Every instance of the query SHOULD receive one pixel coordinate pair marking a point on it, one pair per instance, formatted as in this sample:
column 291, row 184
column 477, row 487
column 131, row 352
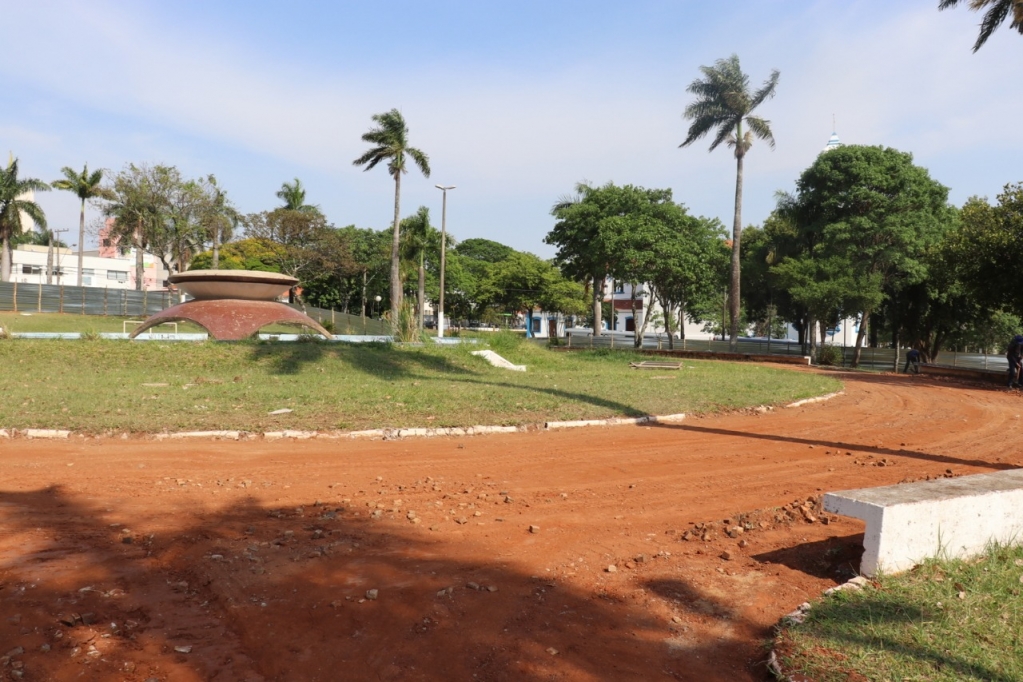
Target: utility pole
column 443, row 254
column 49, row 259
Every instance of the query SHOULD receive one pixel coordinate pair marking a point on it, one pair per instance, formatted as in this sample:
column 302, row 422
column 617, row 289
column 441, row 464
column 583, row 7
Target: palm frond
column 761, row 128
column 421, row 159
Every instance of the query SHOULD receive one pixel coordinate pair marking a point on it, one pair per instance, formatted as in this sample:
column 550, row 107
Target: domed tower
column 833, row 143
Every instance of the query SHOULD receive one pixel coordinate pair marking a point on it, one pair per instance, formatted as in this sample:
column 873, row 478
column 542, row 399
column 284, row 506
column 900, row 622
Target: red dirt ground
column 118, row 555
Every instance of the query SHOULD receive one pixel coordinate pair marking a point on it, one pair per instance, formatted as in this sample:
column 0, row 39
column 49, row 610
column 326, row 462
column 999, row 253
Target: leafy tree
column 220, row 219
column 868, row 216
column 998, row 11
column 484, row 250
column 418, row 238
column 85, row 186
column 12, row 207
column 390, row 144
column 293, row 196
column 290, row 239
column 244, row 254
column 723, row 104
column 524, row 282
column 139, row 203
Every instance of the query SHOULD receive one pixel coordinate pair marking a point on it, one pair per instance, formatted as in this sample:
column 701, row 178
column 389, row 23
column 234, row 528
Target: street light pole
column 443, row 253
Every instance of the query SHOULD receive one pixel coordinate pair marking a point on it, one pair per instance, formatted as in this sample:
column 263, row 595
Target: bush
column 829, row 356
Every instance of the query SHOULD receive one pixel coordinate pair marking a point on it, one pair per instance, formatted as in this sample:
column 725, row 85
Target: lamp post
column 443, row 250
column 376, row 302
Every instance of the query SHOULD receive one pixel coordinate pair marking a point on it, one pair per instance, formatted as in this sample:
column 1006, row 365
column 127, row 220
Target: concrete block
column 953, row 517
column 45, row 433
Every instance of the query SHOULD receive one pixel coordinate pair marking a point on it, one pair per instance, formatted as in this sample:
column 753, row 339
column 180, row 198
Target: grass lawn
column 99, row 385
column 942, row 621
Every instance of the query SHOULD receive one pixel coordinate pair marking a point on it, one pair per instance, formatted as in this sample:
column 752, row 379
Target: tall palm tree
column 85, row 185
column 418, row 237
column 723, row 104
column 293, row 196
column 12, row 207
column 995, row 16
column 390, row 144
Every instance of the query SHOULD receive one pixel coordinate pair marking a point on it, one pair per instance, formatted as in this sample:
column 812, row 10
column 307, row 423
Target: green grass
column 99, row 385
column 943, row 621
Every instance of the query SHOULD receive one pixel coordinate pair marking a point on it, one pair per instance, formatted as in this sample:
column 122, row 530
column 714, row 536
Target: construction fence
column 20, row 297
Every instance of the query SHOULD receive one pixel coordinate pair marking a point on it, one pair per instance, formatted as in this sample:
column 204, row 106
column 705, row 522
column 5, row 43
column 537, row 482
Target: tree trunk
column 140, row 265
column 859, row 338
column 641, row 330
column 637, row 339
column 733, row 294
column 396, row 292
column 364, row 299
column 81, row 242
column 49, row 258
column 5, row 259
column 216, row 247
column 421, row 293
column 598, row 290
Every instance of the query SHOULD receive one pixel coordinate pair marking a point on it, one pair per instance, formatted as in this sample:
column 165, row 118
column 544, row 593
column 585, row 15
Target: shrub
column 829, row 356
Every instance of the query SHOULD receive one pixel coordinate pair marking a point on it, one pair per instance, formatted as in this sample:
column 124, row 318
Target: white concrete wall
column 954, row 517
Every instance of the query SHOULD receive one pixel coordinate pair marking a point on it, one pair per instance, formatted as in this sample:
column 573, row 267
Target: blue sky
column 515, row 102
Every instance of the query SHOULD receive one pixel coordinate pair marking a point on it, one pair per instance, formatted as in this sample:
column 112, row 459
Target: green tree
column 13, row 207
column 419, row 238
column 244, row 254
column 293, row 196
column 139, row 203
column 290, row 239
column 998, row 11
column 484, row 250
column 390, row 143
column 85, row 186
column 871, row 215
column 724, row 103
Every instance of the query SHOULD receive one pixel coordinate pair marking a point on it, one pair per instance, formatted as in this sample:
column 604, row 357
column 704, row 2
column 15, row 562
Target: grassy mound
column 98, row 385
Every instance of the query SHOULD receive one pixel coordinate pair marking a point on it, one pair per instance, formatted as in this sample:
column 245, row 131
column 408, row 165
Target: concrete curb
column 818, row 399
column 399, row 433
column 798, row 616
column 45, row 433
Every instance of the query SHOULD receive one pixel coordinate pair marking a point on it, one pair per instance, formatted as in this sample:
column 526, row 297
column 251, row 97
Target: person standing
column 1014, row 354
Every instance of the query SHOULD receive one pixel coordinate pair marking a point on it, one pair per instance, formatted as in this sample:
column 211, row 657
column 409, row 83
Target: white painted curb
column 819, row 399
column 497, row 361
column 4, row 433
column 45, row 433
column 231, row 435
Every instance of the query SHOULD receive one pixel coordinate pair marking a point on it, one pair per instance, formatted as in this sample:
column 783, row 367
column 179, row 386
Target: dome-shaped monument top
column 245, row 285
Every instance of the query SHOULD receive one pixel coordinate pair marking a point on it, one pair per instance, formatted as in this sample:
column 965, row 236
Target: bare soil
column 592, row 554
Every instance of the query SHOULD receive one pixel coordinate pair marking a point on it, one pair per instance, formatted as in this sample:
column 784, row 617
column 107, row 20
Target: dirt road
column 593, row 554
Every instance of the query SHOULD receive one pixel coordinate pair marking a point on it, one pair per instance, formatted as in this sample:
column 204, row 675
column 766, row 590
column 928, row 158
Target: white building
column 28, row 265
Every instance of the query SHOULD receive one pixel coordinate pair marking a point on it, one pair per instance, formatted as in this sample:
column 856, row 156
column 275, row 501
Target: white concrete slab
column 953, row 517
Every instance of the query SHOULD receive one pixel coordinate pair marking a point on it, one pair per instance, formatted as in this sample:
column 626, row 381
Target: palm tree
column 85, row 185
column 995, row 16
column 723, row 104
column 418, row 237
column 12, row 207
column 293, row 196
column 390, row 140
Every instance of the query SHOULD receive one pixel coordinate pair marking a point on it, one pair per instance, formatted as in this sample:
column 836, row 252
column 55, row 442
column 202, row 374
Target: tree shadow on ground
column 858, row 621
column 839, row 445
column 260, row 593
column 836, row 558
column 376, row 359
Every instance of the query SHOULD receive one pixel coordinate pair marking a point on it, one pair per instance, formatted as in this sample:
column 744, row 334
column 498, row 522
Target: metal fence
column 59, row 298
column 879, row 359
column 20, row 297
